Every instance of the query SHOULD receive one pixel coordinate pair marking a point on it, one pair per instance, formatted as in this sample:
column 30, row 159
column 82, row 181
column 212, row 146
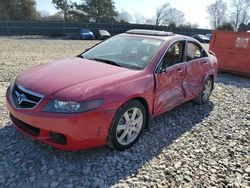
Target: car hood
column 64, row 78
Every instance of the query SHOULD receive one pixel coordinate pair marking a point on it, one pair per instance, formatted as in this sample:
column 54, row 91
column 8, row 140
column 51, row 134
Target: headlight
column 69, row 107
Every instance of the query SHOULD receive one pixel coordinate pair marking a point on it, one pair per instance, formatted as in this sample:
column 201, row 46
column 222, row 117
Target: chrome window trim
column 26, row 91
column 158, row 64
column 183, row 40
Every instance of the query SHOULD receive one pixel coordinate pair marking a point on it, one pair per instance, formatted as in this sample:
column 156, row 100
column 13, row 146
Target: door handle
column 204, row 62
column 180, row 71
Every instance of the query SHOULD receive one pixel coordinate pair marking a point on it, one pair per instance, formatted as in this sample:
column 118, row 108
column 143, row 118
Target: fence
column 56, row 28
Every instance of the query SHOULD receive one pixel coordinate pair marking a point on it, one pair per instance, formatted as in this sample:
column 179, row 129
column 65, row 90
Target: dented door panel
column 169, row 91
column 194, row 77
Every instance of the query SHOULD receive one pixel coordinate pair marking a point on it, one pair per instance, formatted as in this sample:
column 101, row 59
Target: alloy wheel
column 129, row 126
column 207, row 90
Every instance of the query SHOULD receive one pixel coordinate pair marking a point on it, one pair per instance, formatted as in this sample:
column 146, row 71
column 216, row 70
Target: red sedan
column 108, row 94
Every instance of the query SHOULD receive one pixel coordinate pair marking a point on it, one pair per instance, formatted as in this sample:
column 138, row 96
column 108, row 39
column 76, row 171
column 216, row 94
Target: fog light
column 58, row 138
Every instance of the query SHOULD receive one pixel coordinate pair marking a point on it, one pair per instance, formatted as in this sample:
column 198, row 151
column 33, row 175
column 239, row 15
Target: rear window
column 195, row 51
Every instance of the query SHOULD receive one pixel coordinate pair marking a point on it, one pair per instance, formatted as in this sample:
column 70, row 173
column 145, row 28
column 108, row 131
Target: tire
column 127, row 125
column 204, row 95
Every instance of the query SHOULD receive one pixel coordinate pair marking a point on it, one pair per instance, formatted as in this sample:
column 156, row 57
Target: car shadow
column 231, row 79
column 22, row 157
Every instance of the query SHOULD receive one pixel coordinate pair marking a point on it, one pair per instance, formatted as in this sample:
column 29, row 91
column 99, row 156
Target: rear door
column 198, row 64
column 170, row 75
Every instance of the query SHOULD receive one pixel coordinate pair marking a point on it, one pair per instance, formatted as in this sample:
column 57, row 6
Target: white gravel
column 189, row 146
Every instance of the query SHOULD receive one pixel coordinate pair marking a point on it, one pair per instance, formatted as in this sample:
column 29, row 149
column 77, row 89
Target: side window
column 173, row 56
column 194, row 51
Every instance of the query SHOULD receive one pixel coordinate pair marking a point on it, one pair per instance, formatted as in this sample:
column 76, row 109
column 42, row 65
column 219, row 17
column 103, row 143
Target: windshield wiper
column 80, row 56
column 106, row 61
column 134, row 67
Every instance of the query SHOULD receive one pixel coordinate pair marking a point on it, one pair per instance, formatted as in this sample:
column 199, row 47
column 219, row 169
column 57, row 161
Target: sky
column 194, row 10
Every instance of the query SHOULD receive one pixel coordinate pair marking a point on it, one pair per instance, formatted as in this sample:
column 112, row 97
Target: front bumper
column 63, row 131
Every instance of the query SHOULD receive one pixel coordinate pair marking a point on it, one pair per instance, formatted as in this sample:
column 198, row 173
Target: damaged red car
column 108, row 94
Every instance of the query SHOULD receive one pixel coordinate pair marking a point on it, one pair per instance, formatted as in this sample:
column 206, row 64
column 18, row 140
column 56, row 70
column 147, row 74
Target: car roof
column 150, row 32
column 155, row 34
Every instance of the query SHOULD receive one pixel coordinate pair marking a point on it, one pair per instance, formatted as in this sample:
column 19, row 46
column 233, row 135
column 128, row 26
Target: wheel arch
column 145, row 103
column 212, row 76
column 146, row 106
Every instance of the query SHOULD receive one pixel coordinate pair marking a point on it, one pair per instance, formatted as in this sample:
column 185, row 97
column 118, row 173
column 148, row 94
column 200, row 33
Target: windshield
column 125, row 51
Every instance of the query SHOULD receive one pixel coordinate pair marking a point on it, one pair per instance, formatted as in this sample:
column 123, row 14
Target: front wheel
column 127, row 125
column 204, row 95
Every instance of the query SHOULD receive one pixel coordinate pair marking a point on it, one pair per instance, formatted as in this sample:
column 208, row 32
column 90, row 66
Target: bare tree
column 64, row 6
column 44, row 14
column 139, row 18
column 175, row 16
column 150, row 21
column 160, row 14
column 217, row 12
column 245, row 17
column 239, row 12
column 124, row 17
column 166, row 15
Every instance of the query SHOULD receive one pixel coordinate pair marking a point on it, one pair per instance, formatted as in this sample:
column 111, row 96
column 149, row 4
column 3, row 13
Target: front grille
column 24, row 98
column 33, row 131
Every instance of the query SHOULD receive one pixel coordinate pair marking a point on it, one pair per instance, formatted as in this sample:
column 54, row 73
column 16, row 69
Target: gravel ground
column 189, row 146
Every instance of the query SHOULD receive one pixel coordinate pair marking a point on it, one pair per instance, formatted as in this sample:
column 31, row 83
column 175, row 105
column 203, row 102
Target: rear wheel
column 204, row 95
column 127, row 125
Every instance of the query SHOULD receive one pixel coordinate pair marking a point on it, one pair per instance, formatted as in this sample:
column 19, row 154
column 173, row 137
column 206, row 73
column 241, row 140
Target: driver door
column 170, row 76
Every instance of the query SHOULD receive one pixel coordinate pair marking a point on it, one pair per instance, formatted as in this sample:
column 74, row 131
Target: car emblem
column 20, row 98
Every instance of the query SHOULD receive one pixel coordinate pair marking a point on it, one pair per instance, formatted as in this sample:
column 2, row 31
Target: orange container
column 232, row 50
